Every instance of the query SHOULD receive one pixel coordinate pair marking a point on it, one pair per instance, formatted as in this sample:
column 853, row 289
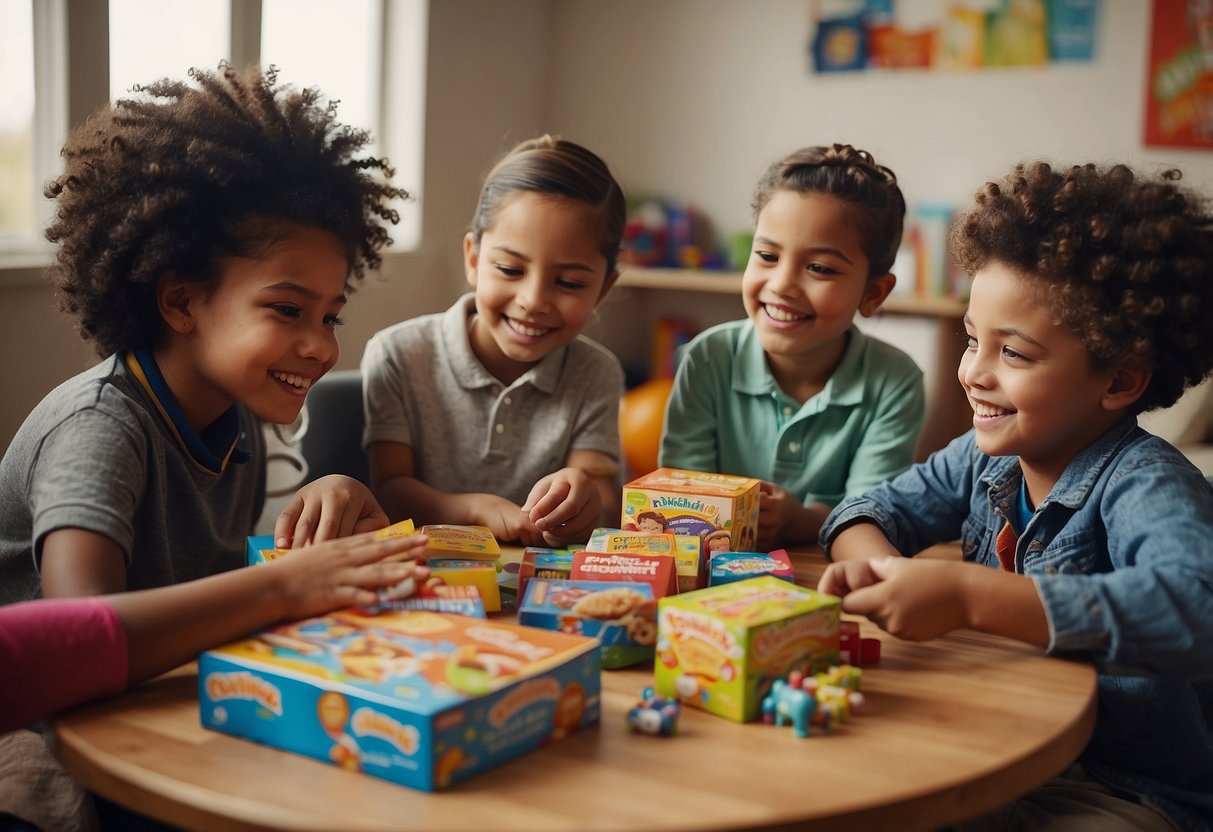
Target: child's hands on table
column 328, row 508
column 564, row 506
column 345, row 572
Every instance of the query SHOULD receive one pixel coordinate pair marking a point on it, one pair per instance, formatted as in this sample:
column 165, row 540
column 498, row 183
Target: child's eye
column 333, row 320
column 822, row 268
column 1012, row 354
column 288, row 310
column 569, row 283
column 768, row 256
column 970, row 341
column 508, row 271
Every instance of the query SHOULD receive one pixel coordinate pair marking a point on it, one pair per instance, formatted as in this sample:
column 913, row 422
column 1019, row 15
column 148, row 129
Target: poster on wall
column 1179, row 84
column 852, row 35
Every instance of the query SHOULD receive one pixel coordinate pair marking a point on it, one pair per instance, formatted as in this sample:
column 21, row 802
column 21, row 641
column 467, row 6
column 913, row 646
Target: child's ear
column 875, row 292
column 471, row 258
column 608, row 283
column 1127, row 381
column 175, row 297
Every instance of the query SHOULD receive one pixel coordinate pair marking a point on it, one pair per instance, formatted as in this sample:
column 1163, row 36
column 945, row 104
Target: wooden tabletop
column 951, row 728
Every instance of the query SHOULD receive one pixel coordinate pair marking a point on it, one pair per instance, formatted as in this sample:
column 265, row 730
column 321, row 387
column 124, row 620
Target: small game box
column 621, row 615
column 422, row 699
column 727, row 567
column 719, row 648
column 684, row 548
column 719, row 509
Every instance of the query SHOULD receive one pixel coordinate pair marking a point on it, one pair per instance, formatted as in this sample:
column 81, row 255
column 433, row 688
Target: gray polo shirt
column 423, row 387
column 110, row 452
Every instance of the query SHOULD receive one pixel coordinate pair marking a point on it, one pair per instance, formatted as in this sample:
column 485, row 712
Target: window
column 368, row 54
column 32, row 105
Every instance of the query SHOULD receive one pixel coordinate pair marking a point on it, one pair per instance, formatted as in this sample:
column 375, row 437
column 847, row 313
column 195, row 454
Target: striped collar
column 215, row 447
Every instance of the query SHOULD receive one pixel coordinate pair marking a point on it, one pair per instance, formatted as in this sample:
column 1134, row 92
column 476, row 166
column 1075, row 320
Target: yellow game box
column 720, row 648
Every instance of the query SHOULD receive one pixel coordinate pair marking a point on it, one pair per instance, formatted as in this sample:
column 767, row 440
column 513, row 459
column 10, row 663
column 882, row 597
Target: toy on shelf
column 653, row 714
column 824, row 699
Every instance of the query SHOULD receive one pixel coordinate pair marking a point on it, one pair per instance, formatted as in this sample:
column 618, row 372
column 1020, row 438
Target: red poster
column 1179, row 86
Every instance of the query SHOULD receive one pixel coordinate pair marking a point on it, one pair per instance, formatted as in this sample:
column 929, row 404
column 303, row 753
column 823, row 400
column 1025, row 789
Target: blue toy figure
column 788, row 702
column 654, row 715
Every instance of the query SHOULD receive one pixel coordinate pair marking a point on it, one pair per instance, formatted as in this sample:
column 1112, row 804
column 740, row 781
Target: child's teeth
column 293, row 380
column 782, row 315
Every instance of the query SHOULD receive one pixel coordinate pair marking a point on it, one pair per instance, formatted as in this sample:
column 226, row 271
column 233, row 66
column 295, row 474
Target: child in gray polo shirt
column 498, row 412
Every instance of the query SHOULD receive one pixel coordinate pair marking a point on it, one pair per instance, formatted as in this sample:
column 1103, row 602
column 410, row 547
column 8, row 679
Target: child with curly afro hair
column 1092, row 301
column 208, row 231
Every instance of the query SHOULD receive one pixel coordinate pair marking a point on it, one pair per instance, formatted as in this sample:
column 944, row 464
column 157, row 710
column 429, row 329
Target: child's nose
column 533, row 295
column 320, row 345
column 784, row 279
column 974, row 370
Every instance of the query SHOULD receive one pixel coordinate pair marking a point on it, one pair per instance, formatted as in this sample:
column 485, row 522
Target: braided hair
column 185, row 174
column 853, row 177
column 1124, row 261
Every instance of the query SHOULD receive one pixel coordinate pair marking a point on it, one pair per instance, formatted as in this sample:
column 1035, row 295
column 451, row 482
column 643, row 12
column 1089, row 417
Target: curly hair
column 852, row 176
column 190, row 173
column 1125, row 262
column 551, row 165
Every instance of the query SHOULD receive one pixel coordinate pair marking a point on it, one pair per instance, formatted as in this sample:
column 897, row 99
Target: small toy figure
column 654, row 715
column 788, row 702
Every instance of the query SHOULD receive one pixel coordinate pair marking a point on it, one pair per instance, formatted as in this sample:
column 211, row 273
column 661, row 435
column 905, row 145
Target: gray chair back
column 332, row 443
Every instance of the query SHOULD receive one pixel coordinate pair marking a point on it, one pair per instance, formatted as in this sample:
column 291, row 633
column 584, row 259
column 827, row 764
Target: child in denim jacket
column 1092, row 301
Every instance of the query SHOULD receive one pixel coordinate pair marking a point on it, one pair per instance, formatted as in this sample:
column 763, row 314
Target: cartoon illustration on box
column 622, row 615
column 420, row 698
column 696, row 503
column 720, row 648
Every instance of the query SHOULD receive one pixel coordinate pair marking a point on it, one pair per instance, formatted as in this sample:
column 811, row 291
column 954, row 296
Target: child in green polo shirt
column 796, row 395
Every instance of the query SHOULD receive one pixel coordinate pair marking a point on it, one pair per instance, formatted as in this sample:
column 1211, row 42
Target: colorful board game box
column 684, row 548
column 727, row 567
column 468, row 542
column 538, row 562
column 620, row 614
column 480, row 574
column 719, row 509
column 655, row 570
column 418, row 698
column 719, row 648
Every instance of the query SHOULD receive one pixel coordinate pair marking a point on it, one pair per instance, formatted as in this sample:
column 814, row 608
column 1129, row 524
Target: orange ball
column 641, row 411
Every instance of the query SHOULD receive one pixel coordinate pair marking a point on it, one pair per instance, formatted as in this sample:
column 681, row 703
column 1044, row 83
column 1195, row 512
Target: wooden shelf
column 729, row 283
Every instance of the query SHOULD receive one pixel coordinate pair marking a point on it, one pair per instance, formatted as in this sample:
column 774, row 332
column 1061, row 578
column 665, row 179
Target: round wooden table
column 951, row 729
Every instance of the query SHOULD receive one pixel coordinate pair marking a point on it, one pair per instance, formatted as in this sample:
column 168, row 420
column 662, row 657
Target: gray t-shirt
column 423, row 387
column 97, row 454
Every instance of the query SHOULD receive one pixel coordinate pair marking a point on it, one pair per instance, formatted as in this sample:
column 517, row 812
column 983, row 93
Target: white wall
column 691, row 99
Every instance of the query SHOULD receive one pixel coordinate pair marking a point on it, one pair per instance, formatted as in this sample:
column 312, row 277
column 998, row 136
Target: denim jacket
column 1121, row 552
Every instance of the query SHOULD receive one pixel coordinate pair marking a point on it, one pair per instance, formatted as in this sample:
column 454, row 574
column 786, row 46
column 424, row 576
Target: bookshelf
column 729, row 283
column 948, row 413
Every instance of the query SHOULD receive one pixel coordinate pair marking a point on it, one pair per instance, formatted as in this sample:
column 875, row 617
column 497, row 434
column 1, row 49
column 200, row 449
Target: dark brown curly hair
column 852, row 176
column 1124, row 261
column 189, row 173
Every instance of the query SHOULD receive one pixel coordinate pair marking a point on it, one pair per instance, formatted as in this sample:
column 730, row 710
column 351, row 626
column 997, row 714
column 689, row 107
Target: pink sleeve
column 55, row 653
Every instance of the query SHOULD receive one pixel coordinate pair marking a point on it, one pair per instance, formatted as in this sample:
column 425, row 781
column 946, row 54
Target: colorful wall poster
column 1179, row 83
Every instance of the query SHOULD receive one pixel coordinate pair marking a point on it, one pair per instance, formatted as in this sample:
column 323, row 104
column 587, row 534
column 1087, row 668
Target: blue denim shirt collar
column 1003, row 476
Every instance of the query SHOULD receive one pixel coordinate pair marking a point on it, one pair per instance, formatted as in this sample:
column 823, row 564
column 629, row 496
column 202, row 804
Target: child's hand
column 564, row 506
column 776, row 509
column 331, row 507
column 505, row 519
column 343, row 573
column 911, row 599
column 845, row 576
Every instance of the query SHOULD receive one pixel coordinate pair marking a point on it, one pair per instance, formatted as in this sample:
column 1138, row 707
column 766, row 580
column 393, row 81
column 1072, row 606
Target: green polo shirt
column 726, row 414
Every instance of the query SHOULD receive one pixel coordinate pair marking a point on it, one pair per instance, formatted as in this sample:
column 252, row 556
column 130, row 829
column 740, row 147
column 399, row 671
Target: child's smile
column 1034, row 391
column 538, row 275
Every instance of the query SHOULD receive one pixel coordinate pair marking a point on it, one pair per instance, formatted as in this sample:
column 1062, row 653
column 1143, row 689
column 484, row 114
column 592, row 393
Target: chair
column 332, row 439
